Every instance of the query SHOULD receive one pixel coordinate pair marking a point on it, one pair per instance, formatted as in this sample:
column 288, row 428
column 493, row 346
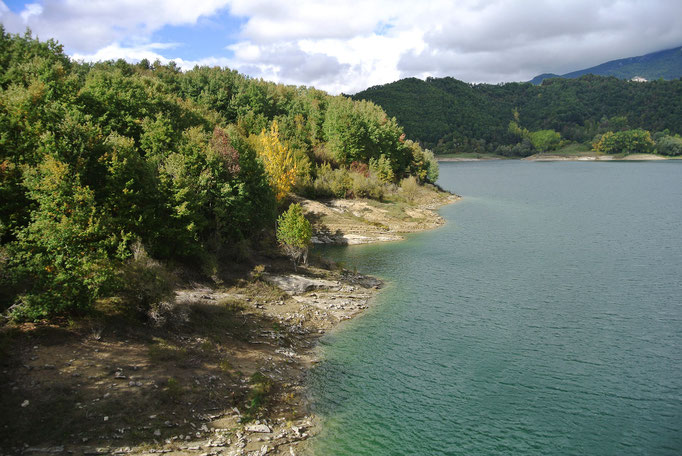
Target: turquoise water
column 544, row 318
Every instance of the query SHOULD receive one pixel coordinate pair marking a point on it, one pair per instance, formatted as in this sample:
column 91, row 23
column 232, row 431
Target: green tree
column 625, row 142
column 294, row 233
column 669, row 145
column 545, row 140
column 64, row 255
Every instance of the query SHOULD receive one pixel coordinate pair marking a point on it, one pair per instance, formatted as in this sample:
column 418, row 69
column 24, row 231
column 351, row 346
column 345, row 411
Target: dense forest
column 109, row 171
column 519, row 119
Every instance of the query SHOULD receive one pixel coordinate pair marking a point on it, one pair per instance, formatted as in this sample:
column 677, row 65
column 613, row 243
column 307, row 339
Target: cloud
column 506, row 41
column 348, row 46
column 87, row 26
column 288, row 62
column 115, row 51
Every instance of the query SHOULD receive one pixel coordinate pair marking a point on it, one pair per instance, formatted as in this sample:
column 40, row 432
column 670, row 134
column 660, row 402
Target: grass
column 173, row 391
column 260, row 394
column 164, row 351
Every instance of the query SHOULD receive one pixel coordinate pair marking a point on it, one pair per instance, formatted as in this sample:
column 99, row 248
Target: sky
column 347, row 46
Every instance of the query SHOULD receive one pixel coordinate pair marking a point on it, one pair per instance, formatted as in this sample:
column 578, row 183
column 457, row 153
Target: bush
column 148, row 287
column 331, row 183
column 381, row 167
column 294, row 233
column 409, row 188
column 433, row 170
column 342, row 183
column 545, row 140
column 628, row 142
column 669, row 145
column 366, row 186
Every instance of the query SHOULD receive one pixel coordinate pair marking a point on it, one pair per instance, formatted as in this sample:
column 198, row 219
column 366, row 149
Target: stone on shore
column 295, row 284
column 261, row 428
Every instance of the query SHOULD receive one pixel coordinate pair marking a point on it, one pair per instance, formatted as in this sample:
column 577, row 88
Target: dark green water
column 544, row 318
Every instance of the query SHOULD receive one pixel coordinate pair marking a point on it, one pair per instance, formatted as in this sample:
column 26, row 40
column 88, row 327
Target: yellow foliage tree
column 278, row 160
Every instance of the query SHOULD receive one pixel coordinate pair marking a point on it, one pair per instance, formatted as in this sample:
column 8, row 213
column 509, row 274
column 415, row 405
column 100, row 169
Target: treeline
column 108, row 168
column 451, row 116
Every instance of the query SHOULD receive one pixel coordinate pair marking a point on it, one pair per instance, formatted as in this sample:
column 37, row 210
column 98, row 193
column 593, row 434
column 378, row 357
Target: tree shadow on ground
column 127, row 383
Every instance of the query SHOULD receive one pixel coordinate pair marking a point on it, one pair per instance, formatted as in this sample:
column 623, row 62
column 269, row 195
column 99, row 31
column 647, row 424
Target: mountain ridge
column 665, row 64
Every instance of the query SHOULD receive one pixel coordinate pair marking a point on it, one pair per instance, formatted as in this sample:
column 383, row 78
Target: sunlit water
column 544, row 318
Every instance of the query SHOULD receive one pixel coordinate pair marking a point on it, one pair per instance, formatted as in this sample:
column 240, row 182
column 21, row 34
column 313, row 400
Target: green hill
column 448, row 115
column 665, row 64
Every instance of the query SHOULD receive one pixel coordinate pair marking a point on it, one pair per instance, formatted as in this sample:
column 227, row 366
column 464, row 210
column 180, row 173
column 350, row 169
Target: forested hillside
column 109, row 171
column 518, row 119
column 665, row 64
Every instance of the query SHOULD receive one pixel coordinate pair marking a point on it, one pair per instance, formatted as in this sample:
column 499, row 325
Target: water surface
column 544, row 318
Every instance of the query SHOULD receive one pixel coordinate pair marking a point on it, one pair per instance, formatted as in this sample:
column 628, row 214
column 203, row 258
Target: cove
column 545, row 317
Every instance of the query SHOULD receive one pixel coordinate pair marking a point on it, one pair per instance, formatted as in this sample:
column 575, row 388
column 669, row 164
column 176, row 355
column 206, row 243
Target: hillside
column 665, row 65
column 448, row 115
column 151, row 299
column 109, row 170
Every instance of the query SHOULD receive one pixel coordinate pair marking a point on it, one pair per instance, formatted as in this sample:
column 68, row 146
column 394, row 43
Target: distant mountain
column 657, row 65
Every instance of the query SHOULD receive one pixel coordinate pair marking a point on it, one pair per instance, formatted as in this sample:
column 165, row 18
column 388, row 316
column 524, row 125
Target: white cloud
column 115, row 51
column 89, row 25
column 348, row 46
column 32, row 9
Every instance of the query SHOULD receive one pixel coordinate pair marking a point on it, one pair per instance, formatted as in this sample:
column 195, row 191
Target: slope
column 666, row 64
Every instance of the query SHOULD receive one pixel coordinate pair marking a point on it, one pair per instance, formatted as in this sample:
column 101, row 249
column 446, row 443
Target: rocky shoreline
column 186, row 390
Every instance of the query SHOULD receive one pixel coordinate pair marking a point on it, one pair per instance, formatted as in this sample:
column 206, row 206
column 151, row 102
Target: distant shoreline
column 560, row 157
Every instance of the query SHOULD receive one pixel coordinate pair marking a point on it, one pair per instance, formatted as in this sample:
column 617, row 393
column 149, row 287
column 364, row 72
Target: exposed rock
column 294, row 284
column 262, row 428
column 56, row 449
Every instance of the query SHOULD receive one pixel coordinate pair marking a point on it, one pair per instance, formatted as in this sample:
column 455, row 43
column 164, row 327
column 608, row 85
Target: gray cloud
column 509, row 41
column 348, row 46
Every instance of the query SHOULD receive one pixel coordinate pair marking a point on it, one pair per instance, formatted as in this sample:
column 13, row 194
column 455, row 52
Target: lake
column 545, row 317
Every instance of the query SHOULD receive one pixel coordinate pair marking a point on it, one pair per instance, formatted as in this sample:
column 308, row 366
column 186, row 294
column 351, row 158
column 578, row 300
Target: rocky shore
column 226, row 376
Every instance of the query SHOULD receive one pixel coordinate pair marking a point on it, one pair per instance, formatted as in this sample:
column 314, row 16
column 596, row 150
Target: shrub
column 342, row 183
column 259, row 395
column 331, row 183
column 409, row 188
column 366, row 186
column 381, row 167
column 628, row 141
column 545, row 140
column 360, row 168
column 433, row 170
column 669, row 145
column 148, row 287
column 294, row 233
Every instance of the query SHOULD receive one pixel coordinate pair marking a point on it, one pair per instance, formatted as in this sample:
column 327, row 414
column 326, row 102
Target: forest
column 520, row 119
column 111, row 171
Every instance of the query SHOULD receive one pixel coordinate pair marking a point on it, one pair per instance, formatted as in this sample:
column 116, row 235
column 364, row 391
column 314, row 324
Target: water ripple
column 546, row 320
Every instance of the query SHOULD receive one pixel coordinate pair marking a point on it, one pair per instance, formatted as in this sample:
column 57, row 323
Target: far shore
column 561, row 157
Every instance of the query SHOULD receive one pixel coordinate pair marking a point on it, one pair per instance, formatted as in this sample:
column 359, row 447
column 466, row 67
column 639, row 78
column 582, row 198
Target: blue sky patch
column 209, row 37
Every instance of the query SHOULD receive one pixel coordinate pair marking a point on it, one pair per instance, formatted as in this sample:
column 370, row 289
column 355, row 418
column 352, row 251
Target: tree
column 669, row 145
column 278, row 161
column 545, row 140
column 628, row 141
column 294, row 234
